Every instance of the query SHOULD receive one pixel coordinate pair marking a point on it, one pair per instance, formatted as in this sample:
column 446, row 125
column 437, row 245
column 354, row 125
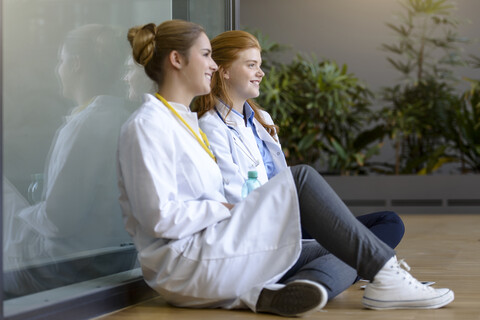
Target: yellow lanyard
column 203, row 141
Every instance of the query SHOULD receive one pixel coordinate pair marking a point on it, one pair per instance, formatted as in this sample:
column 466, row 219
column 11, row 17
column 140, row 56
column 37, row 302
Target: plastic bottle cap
column 252, row 174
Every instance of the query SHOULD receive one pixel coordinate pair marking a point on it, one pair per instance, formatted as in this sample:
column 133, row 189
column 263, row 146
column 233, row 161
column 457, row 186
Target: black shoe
column 296, row 299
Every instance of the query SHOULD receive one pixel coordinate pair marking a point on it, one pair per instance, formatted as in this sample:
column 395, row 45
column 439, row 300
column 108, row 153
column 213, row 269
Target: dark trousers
column 345, row 247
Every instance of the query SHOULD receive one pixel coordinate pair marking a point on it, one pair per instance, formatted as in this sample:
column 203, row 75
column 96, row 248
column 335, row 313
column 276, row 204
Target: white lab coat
column 235, row 145
column 192, row 249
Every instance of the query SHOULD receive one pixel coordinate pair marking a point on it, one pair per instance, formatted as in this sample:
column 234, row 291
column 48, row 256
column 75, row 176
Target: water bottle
column 251, row 184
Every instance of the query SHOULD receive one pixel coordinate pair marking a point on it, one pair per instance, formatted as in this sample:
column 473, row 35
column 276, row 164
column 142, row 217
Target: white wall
column 347, row 31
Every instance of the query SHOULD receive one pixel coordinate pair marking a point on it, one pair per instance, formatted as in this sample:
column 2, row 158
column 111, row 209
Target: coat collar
column 233, row 119
column 230, row 117
column 177, row 106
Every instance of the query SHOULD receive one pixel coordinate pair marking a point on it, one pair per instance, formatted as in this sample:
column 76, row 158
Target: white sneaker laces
column 403, row 264
column 403, row 269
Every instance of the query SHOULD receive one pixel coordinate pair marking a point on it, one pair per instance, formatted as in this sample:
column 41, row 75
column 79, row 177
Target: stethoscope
column 244, row 147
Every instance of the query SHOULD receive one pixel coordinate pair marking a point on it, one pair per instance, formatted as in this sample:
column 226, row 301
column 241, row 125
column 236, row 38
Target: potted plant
column 419, row 112
column 429, row 123
column 322, row 110
column 463, row 130
column 419, row 108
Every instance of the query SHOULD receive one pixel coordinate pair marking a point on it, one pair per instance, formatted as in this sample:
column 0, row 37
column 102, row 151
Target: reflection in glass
column 137, row 81
column 57, row 239
column 35, row 189
column 59, row 127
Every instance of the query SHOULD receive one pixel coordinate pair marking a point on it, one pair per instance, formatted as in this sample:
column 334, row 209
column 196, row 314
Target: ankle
column 387, row 268
column 393, row 270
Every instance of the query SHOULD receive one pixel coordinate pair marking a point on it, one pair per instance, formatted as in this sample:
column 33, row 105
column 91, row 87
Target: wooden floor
column 441, row 248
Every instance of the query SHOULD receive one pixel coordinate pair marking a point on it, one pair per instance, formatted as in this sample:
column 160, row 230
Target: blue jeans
column 345, row 247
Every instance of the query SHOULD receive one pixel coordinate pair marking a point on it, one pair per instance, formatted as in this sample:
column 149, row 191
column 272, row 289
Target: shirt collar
column 249, row 113
column 237, row 113
column 226, row 111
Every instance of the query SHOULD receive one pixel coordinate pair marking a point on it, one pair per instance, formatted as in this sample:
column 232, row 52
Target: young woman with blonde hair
column 194, row 248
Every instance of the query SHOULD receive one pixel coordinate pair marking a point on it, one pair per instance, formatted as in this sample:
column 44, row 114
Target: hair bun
column 142, row 41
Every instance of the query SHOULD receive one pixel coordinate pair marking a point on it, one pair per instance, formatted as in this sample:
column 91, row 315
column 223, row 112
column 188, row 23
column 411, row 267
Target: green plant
column 464, row 129
column 415, row 121
column 427, row 50
column 428, row 45
column 322, row 111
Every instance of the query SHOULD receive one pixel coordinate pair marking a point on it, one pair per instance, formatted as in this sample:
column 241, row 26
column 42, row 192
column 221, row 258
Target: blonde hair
column 152, row 44
column 225, row 49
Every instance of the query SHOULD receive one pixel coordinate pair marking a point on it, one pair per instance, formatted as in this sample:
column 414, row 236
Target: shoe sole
column 298, row 298
column 433, row 303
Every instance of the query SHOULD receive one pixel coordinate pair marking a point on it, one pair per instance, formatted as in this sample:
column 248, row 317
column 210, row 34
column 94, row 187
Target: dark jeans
column 344, row 246
column 386, row 225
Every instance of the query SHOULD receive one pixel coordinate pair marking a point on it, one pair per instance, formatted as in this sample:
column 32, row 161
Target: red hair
column 225, row 49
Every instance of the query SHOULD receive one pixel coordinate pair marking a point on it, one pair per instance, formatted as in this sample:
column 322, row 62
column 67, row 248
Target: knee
column 383, row 218
column 303, row 169
column 395, row 219
column 303, row 173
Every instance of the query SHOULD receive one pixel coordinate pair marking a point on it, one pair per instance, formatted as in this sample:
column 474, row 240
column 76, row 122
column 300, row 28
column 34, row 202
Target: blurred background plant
column 463, row 129
column 327, row 119
column 331, row 113
column 419, row 108
column 322, row 110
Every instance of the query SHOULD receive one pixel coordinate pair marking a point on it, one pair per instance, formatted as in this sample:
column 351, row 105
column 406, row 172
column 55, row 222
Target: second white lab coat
column 192, row 249
column 236, row 148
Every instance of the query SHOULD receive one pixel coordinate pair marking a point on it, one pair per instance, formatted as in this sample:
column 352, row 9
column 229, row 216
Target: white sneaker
column 296, row 299
column 395, row 288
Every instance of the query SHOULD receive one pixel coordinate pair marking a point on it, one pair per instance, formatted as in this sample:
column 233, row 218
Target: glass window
column 210, row 14
column 68, row 86
column 213, row 15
